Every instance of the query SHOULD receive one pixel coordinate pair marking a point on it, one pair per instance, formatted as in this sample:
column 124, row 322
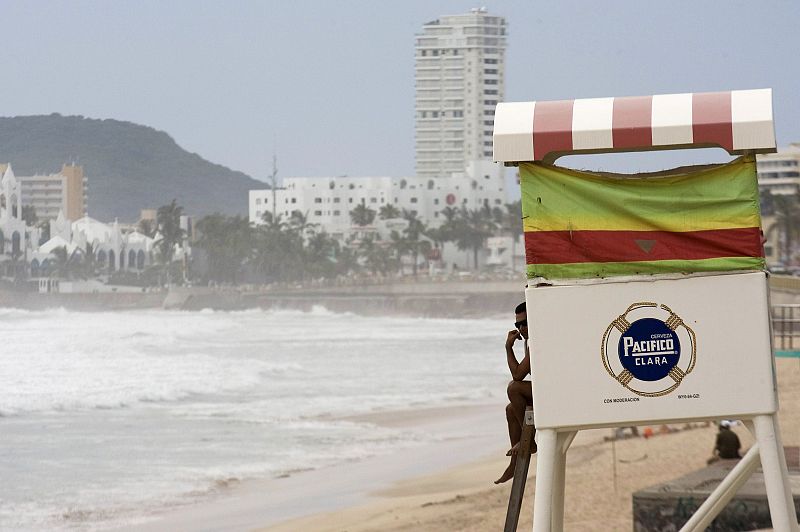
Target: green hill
column 129, row 167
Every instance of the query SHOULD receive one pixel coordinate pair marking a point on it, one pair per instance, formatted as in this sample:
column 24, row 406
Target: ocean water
column 105, row 417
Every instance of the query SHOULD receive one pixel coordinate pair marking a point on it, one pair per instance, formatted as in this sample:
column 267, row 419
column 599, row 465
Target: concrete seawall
column 435, row 299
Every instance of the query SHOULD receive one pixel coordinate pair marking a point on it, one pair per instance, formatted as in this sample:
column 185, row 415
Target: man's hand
column 513, row 336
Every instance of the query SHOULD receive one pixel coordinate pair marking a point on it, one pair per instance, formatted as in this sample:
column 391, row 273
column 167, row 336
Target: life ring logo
column 649, row 349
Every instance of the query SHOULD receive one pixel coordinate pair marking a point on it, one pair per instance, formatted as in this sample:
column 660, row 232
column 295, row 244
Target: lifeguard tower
column 647, row 293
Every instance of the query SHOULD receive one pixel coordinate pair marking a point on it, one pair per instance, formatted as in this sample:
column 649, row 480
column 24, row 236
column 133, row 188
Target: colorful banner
column 582, row 225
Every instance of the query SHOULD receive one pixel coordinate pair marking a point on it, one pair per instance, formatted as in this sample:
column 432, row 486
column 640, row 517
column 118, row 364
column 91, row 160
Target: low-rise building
column 328, row 201
column 779, row 172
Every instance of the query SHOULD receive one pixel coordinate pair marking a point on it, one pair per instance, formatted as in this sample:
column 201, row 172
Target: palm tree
column 787, row 218
column 347, row 260
column 388, row 211
column 412, row 234
column 509, row 221
column 169, row 226
column 279, row 250
column 64, row 262
column 319, row 255
column 299, row 222
column 376, row 258
column 147, row 227
column 471, row 229
column 89, row 262
column 362, row 215
column 228, row 243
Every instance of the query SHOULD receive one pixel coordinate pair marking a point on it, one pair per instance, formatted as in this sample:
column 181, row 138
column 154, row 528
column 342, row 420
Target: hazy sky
column 330, row 83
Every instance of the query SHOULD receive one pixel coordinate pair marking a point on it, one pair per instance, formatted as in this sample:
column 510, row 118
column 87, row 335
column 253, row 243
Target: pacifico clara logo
column 649, row 349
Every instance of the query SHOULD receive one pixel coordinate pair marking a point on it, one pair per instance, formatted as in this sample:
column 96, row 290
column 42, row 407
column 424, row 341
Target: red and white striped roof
column 738, row 121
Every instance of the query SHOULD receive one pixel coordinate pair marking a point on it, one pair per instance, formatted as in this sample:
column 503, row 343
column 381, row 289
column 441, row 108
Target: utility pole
column 274, row 183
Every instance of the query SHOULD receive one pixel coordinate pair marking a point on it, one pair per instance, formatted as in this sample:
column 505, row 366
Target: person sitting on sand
column 519, row 391
column 727, row 444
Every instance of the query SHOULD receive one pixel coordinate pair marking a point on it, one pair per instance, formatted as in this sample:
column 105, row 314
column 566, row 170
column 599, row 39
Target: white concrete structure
column 327, row 201
column 13, row 236
column 779, row 172
column 459, row 79
column 114, row 251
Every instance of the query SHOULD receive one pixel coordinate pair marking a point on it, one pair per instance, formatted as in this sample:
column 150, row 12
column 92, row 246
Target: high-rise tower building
column 49, row 194
column 459, row 78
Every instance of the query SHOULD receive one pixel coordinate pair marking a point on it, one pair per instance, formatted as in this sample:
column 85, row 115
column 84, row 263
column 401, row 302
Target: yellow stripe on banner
column 718, row 197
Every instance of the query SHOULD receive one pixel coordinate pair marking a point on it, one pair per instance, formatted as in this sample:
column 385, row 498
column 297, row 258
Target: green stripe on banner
column 787, row 354
column 587, row 270
column 561, row 199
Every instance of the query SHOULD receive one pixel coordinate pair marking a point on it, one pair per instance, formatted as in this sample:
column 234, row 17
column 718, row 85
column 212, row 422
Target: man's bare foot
column 508, row 474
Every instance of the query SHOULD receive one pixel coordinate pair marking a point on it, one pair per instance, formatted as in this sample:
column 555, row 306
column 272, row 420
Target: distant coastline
column 442, row 299
column 451, row 299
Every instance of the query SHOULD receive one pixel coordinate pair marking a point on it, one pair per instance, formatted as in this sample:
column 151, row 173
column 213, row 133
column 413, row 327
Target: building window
column 258, row 201
column 489, row 102
column 436, row 201
column 435, row 114
column 337, row 213
column 350, row 200
column 373, row 200
column 294, row 200
column 336, row 200
column 458, row 114
column 424, row 53
column 490, row 91
column 490, row 81
column 317, row 213
column 488, row 144
column 490, row 61
column 490, row 71
column 498, row 202
column 488, row 154
column 488, row 112
column 488, row 122
column 317, row 200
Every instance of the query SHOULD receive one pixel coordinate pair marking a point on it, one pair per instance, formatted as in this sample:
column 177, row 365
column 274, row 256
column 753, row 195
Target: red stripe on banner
column 633, row 122
column 711, row 119
column 560, row 247
column 552, row 127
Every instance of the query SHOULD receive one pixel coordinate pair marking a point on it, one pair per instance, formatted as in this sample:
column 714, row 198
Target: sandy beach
column 462, row 497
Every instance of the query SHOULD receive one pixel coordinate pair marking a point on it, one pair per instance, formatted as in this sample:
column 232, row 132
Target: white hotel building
column 459, row 78
column 327, row 201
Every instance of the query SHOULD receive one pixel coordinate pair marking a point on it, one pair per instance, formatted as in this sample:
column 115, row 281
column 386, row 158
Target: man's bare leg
column 520, row 396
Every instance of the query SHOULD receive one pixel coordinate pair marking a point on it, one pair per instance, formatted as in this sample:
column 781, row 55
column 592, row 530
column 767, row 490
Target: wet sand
column 462, row 497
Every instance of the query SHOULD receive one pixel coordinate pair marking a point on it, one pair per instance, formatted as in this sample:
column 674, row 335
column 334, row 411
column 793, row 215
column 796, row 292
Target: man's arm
column 518, row 369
